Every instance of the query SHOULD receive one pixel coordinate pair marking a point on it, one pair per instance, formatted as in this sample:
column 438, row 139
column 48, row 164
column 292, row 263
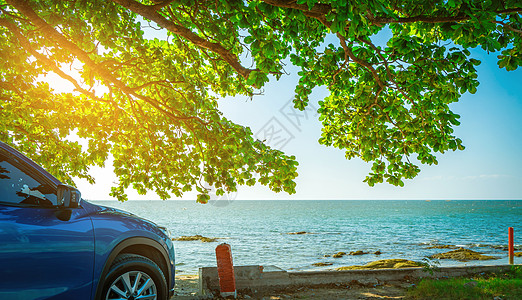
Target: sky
column 489, row 168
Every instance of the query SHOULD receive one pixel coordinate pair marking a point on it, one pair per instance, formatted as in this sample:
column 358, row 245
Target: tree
column 152, row 104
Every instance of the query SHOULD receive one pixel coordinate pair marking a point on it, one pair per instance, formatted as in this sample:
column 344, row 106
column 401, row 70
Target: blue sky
column 489, row 168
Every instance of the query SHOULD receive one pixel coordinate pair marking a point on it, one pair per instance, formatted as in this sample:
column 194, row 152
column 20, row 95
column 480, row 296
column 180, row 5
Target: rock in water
column 384, row 264
column 196, row 237
column 339, row 254
column 462, row 254
column 322, row 264
column 442, row 247
column 358, row 252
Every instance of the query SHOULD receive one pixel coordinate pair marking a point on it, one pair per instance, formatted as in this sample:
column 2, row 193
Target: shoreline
column 502, row 259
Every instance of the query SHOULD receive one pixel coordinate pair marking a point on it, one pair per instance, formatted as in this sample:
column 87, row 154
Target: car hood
column 102, row 209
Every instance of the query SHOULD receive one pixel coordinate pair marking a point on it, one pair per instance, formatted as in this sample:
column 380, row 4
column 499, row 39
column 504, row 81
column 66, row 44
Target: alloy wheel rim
column 132, row 285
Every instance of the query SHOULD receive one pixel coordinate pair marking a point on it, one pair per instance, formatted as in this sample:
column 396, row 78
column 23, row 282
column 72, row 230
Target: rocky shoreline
column 384, row 264
column 460, row 254
column 334, row 260
column 463, row 254
column 196, row 237
column 186, row 286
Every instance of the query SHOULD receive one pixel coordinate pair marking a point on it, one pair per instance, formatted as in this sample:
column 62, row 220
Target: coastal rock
column 462, row 254
column 500, row 247
column 299, row 232
column 196, row 237
column 358, row 252
column 384, row 264
column 377, row 252
column 481, row 245
column 518, row 254
column 505, row 247
column 322, row 264
column 326, row 255
column 443, row 247
column 339, row 254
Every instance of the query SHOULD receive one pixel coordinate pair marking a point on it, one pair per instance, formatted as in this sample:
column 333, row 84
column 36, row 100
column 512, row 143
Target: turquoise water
column 257, row 230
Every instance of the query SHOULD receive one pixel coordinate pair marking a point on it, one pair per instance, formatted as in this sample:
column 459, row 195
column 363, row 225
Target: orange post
column 225, row 267
column 511, row 247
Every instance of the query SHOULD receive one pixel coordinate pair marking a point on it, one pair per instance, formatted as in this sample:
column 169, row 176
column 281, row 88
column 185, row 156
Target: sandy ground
column 187, row 288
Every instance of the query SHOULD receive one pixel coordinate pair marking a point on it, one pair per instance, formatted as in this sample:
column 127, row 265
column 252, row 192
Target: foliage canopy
column 157, row 115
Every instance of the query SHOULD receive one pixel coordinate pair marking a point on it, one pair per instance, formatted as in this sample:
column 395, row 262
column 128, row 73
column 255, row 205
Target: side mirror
column 68, row 196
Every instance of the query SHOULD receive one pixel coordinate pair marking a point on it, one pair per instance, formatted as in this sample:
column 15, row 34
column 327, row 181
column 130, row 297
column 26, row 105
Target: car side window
column 19, row 187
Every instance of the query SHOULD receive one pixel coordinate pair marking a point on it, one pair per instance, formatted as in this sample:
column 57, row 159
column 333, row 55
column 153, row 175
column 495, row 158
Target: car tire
column 132, row 276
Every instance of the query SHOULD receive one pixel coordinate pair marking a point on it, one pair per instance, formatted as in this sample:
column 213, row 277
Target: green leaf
column 159, row 117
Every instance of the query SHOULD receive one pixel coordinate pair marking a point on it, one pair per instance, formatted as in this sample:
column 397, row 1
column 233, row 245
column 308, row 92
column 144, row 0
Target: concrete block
column 258, row 278
column 246, row 277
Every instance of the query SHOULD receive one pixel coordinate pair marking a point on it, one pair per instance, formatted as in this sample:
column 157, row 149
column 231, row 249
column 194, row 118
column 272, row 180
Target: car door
column 46, row 251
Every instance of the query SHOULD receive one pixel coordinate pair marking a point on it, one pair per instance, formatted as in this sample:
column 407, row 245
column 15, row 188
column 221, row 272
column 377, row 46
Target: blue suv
column 53, row 245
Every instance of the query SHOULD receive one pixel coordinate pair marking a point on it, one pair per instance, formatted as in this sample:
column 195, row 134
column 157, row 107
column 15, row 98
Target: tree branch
column 318, row 11
column 427, row 19
column 49, row 32
column 151, row 13
column 359, row 61
column 509, row 27
column 50, row 63
column 161, row 4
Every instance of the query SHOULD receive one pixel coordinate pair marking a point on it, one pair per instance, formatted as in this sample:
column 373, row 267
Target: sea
column 260, row 232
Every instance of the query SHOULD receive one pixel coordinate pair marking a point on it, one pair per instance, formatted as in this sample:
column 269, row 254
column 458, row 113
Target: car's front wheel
column 134, row 277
